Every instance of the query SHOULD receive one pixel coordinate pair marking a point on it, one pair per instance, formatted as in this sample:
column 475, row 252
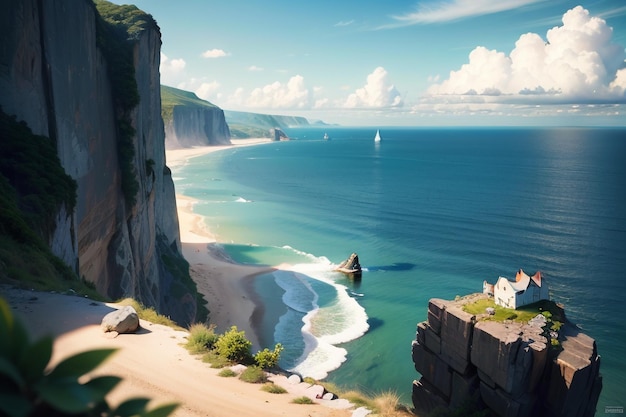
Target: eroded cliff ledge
column 516, row 369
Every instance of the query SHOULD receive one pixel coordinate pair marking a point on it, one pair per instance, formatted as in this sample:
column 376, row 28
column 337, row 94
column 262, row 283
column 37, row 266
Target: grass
column 273, row 388
column 384, row 404
column 201, row 338
column 302, row 400
column 522, row 314
column 227, row 373
column 149, row 313
column 172, row 97
column 216, row 361
column 253, row 375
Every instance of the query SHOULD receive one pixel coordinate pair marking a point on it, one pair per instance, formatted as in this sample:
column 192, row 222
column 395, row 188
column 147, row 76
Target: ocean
column 431, row 212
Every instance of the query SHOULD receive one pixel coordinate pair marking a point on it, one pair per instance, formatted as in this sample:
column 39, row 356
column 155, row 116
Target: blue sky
column 403, row 62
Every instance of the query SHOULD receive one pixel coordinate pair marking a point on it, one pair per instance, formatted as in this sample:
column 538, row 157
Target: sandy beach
column 225, row 285
column 152, row 362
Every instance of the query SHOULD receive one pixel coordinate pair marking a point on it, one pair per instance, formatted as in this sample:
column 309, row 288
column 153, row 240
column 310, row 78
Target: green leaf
column 34, row 358
column 132, row 407
column 66, row 395
column 14, row 406
column 19, row 340
column 6, row 327
column 9, row 370
column 101, row 386
column 161, row 411
column 81, row 363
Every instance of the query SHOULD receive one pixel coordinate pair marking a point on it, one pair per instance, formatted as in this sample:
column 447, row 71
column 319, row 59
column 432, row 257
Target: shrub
column 234, row 346
column 27, row 389
column 216, row 361
column 268, row 359
column 253, row 375
column 201, row 338
column 227, row 373
column 273, row 388
column 556, row 326
column 302, row 400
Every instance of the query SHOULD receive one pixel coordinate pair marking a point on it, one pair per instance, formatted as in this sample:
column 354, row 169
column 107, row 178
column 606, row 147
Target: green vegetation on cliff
column 172, row 97
column 256, row 125
column 117, row 30
column 33, row 186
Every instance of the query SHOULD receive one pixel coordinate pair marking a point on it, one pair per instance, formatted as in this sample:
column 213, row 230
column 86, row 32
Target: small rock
column 294, row 379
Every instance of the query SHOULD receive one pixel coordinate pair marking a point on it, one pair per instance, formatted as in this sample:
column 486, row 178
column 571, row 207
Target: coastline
column 153, row 362
column 226, row 286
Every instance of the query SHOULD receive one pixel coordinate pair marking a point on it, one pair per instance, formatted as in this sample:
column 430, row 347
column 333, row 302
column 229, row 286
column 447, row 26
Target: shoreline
column 228, row 287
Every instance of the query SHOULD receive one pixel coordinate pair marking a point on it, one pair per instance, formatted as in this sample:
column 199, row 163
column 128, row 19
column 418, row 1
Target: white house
column 514, row 294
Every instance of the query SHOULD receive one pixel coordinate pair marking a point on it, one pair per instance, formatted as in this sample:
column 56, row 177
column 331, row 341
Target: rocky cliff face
column 193, row 126
column 190, row 121
column 54, row 77
column 512, row 368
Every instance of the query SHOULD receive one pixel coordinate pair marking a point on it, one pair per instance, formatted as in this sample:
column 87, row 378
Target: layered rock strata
column 508, row 367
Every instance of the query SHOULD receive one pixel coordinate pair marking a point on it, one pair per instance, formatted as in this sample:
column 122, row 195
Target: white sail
column 377, row 137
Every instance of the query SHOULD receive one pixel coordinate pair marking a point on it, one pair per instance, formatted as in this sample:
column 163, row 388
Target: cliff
column 92, row 87
column 247, row 125
column 190, row 121
column 540, row 367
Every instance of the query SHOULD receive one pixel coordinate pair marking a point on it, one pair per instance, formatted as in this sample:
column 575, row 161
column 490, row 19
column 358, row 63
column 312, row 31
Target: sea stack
column 544, row 366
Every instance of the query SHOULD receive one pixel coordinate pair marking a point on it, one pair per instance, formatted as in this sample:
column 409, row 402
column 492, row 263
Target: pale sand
column 225, row 285
column 152, row 362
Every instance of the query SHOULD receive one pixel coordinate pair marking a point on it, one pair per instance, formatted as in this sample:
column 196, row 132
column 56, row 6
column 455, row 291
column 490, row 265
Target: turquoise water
column 431, row 213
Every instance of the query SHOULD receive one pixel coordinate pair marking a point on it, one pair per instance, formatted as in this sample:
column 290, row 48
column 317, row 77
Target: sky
column 401, row 62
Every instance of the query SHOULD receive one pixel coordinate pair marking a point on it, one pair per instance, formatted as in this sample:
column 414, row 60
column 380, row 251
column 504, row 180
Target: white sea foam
column 242, row 200
column 341, row 319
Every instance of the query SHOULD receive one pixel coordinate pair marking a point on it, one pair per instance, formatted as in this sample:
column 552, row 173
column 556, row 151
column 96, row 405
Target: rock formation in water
column 515, row 369
column 190, row 121
column 69, row 76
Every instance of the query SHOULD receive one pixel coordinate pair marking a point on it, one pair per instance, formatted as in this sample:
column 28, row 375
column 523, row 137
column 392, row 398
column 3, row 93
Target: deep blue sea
column 431, row 213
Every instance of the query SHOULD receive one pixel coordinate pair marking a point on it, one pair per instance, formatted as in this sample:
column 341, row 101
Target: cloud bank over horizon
column 577, row 63
column 576, row 67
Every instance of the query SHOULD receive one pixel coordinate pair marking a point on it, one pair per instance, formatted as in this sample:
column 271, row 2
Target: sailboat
column 377, row 137
column 326, row 137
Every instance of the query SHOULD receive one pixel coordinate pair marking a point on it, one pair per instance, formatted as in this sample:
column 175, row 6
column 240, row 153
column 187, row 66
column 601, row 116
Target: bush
column 268, row 359
column 234, row 346
column 227, row 373
column 201, row 338
column 273, row 388
column 27, row 389
column 216, row 361
column 302, row 400
column 253, row 375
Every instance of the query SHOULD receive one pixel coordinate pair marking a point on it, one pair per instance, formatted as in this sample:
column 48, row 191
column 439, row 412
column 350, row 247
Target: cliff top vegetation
column 522, row 314
column 172, row 97
column 128, row 18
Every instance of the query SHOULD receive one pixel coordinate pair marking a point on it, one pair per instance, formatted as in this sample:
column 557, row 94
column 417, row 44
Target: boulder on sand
column 124, row 320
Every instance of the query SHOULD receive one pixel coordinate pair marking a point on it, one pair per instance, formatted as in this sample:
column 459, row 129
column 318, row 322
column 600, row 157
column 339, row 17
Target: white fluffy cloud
column 215, row 53
column 208, row 90
column 171, row 69
column 577, row 63
column 292, row 95
column 378, row 92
